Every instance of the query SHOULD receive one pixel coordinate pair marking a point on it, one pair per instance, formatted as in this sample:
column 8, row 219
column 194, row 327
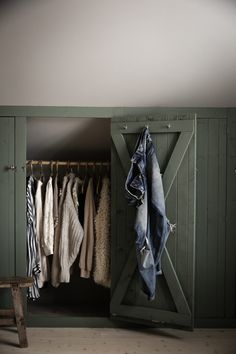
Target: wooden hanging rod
column 68, row 163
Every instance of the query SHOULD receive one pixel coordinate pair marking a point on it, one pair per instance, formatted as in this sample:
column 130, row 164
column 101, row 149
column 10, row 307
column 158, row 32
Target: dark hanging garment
column 33, row 258
column 144, row 190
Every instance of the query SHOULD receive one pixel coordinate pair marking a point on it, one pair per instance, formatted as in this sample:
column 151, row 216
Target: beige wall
column 118, row 53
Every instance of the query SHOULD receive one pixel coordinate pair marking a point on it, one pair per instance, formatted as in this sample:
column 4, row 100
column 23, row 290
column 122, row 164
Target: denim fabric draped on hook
column 144, row 190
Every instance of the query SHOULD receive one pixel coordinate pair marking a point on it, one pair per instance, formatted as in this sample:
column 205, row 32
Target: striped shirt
column 33, row 260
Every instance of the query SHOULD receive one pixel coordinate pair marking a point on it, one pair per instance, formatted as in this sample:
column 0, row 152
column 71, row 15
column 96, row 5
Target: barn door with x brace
column 175, row 145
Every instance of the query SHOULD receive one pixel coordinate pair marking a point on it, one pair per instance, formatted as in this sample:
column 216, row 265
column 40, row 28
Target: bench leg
column 19, row 315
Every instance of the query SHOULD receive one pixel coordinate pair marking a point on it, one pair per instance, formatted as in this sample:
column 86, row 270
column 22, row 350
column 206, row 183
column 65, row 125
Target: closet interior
column 64, row 147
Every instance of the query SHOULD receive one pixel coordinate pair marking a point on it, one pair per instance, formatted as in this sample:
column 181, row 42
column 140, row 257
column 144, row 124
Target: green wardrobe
column 196, row 152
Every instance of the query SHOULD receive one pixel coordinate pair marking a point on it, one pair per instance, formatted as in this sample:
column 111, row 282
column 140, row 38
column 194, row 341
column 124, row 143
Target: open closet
column 92, row 144
column 78, row 148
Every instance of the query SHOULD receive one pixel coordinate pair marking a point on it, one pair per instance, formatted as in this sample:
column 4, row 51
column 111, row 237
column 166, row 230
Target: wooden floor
column 120, row 341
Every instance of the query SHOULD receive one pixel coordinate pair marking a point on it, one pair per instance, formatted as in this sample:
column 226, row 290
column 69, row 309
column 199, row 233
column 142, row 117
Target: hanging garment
column 144, row 190
column 56, row 270
column 77, row 181
column 48, row 221
column 87, row 248
column 44, row 274
column 55, row 202
column 33, row 260
column 71, row 233
column 102, row 237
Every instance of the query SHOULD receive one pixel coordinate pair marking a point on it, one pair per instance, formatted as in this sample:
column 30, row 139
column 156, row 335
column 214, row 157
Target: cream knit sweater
column 71, row 234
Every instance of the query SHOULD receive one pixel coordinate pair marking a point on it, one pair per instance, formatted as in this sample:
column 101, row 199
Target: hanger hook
column 41, row 169
column 71, row 171
column 51, row 165
column 31, row 168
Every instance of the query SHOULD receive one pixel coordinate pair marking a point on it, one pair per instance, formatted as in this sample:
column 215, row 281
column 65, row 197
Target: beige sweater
column 71, row 234
column 103, row 234
column 56, row 269
column 87, row 248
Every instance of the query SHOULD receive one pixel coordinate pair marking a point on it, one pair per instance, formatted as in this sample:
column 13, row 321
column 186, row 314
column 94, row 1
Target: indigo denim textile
column 144, row 190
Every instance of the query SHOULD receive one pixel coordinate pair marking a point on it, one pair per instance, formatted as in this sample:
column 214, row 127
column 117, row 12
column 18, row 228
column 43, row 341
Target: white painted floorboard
column 120, row 341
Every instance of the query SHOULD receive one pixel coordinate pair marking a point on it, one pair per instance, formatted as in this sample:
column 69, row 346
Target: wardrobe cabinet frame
column 226, row 316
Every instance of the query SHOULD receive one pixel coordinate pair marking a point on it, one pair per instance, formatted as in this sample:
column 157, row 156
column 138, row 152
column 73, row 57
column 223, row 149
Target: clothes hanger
column 99, row 179
column 51, row 166
column 71, row 169
column 67, row 168
column 41, row 172
column 85, row 177
column 57, row 169
column 31, row 169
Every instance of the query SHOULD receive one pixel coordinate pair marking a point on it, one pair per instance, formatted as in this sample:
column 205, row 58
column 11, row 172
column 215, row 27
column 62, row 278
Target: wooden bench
column 14, row 316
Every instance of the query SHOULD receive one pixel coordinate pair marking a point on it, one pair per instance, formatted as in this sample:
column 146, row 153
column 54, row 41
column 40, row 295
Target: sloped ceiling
column 73, row 139
column 118, row 53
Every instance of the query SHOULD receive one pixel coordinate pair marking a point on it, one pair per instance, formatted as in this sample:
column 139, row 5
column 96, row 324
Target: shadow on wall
column 73, row 139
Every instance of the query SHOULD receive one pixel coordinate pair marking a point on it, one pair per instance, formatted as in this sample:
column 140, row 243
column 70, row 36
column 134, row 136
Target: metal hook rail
column 66, row 163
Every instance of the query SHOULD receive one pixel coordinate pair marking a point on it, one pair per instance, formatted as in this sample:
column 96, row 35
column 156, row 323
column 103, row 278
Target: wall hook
column 125, row 126
column 168, row 126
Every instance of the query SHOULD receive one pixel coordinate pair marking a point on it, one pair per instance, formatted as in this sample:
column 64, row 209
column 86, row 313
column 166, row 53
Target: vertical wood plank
column 201, row 218
column 7, row 196
column 182, row 223
column 191, row 230
column 230, row 262
column 20, row 199
column 7, row 249
column 213, row 210
column 220, row 292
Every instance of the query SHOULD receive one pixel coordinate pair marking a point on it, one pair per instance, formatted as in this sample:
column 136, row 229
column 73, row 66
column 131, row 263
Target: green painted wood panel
column 211, row 218
column 134, row 303
column 20, row 201
column 7, row 249
column 230, row 247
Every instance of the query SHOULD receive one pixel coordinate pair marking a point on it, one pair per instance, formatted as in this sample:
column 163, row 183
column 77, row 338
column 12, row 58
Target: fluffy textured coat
column 102, row 239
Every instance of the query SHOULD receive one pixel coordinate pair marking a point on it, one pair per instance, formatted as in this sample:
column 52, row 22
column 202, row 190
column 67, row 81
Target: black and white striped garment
column 33, row 260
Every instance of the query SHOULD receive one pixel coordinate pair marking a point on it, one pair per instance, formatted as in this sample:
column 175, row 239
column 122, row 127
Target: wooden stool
column 15, row 315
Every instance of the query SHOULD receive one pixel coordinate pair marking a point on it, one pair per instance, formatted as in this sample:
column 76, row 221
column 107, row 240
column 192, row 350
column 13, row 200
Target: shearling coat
column 102, row 239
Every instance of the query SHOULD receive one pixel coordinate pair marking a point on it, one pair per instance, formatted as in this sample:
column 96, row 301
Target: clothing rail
column 68, row 163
